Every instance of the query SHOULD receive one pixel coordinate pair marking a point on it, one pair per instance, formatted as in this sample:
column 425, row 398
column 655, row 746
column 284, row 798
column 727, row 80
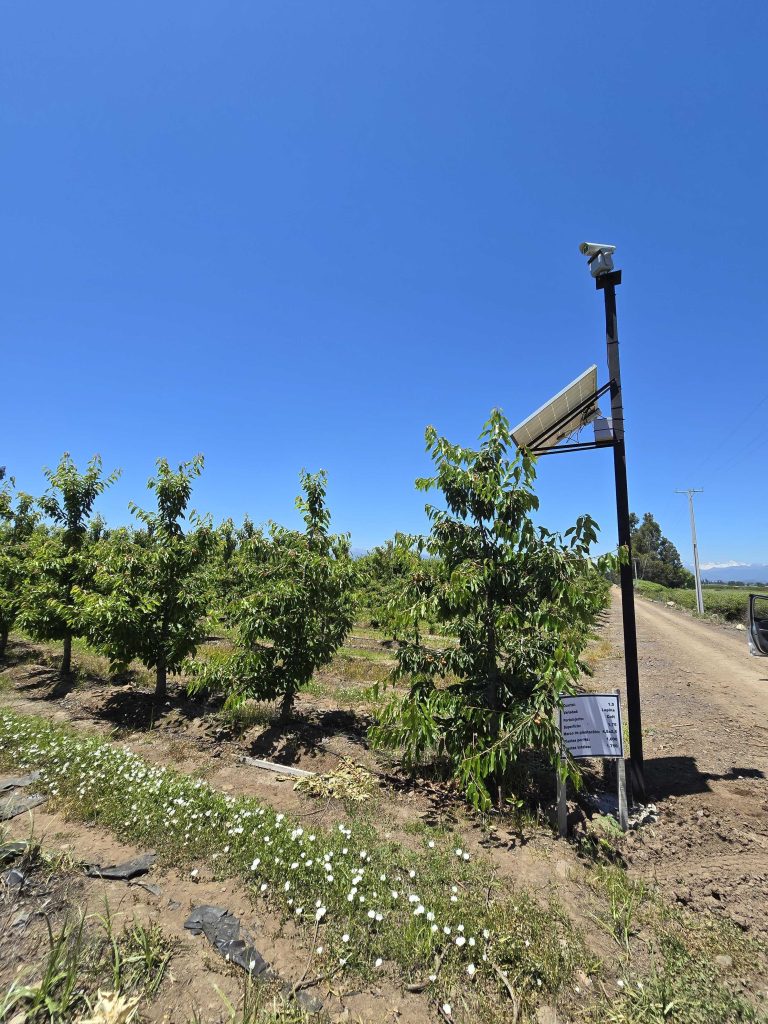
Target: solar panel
column 551, row 424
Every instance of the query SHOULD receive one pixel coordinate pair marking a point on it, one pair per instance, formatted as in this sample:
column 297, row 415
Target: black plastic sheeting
column 18, row 804
column 14, row 878
column 222, row 930
column 9, row 852
column 122, row 872
column 18, row 781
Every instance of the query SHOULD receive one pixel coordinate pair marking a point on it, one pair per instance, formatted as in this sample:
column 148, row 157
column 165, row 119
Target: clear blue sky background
column 292, row 234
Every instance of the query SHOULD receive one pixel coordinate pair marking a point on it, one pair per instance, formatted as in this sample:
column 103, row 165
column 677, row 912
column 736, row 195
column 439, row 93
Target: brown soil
column 706, row 749
column 196, row 971
column 705, row 736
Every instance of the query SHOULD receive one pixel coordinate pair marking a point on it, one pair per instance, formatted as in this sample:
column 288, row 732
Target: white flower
column 255, row 864
column 419, row 910
column 471, row 970
column 320, row 913
column 465, row 856
column 378, row 962
column 460, row 940
column 319, row 950
column 431, row 844
column 345, row 937
column 458, row 851
column 447, row 1009
column 411, row 874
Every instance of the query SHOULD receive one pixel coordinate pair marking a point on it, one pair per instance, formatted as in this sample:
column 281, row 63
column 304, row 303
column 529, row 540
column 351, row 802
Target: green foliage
column 58, row 560
column 292, row 608
column 729, row 604
column 520, row 602
column 656, row 558
column 681, row 989
column 18, row 520
column 225, row 576
column 148, row 598
column 383, row 574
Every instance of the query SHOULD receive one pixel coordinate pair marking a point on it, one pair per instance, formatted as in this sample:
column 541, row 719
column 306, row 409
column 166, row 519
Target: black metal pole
column 607, row 283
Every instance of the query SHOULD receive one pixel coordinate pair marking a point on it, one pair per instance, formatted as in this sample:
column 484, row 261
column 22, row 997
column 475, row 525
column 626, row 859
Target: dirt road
column 705, row 729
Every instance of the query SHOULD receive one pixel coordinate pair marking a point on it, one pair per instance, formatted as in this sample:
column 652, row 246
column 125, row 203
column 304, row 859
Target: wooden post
column 562, row 807
column 562, row 787
column 621, row 774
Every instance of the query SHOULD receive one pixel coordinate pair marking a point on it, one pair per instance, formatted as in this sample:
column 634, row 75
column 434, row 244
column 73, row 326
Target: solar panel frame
column 539, row 424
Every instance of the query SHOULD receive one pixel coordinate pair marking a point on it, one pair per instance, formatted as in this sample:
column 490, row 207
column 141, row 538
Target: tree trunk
column 286, row 706
column 3, row 641
column 66, row 661
column 161, row 681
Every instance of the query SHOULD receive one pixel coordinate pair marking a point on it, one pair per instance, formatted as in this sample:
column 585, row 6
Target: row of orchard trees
column 148, row 593
column 490, row 611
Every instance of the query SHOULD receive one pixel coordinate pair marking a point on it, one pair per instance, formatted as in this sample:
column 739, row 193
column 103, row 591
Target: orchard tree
column 225, row 569
column 58, row 559
column 520, row 603
column 18, row 520
column 148, row 601
column 382, row 574
column 296, row 607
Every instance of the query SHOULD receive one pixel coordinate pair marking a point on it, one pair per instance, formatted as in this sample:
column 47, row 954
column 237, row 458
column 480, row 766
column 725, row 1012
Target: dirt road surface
column 705, row 732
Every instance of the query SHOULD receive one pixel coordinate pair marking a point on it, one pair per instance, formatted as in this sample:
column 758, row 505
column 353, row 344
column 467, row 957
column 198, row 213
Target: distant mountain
column 734, row 572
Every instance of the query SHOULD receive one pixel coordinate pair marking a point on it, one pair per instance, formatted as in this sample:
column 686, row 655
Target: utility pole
column 699, row 593
column 606, row 282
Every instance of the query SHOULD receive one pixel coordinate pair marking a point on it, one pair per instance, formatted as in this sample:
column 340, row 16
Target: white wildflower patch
column 311, row 876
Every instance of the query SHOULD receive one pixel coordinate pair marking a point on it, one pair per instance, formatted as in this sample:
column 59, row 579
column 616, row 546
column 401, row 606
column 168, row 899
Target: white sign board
column 591, row 725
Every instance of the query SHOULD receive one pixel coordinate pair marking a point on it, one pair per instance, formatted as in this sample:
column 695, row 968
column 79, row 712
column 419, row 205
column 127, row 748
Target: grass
column 80, row 959
column 260, row 1004
column 372, row 901
column 679, row 989
column 730, row 604
column 624, row 897
column 425, row 916
column 679, row 982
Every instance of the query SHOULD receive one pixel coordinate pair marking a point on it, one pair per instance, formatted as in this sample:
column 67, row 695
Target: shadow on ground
column 679, row 776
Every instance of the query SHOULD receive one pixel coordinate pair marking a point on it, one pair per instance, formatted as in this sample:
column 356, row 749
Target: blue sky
column 292, row 234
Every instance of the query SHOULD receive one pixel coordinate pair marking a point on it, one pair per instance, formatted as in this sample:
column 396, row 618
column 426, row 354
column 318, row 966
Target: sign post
column 590, row 726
